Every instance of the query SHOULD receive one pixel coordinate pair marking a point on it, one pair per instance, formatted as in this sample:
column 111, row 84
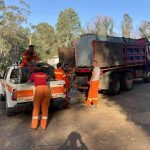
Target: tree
column 68, row 27
column 126, row 26
column 101, row 26
column 104, row 25
column 13, row 36
column 88, row 29
column 144, row 29
column 44, row 40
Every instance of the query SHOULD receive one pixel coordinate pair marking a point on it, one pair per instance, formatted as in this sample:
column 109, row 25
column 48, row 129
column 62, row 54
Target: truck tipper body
column 120, row 59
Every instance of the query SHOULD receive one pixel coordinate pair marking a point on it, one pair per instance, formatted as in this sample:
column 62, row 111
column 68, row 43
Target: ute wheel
column 114, row 84
column 59, row 103
column 10, row 111
column 2, row 98
column 127, row 82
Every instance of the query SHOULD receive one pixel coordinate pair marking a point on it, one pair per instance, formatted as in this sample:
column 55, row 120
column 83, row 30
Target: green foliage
column 44, row 40
column 13, row 37
column 3, row 66
column 127, row 26
column 68, row 27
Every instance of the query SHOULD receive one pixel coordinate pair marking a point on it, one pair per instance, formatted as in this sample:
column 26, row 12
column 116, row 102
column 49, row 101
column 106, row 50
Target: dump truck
column 120, row 59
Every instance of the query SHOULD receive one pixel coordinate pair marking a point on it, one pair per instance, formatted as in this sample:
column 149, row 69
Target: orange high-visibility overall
column 93, row 93
column 61, row 75
column 41, row 100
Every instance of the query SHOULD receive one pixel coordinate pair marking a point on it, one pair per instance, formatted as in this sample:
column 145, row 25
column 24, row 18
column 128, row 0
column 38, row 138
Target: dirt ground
column 118, row 123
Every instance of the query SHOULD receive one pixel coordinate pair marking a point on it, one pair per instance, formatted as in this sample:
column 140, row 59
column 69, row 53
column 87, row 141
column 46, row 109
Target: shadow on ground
column 135, row 103
column 73, row 142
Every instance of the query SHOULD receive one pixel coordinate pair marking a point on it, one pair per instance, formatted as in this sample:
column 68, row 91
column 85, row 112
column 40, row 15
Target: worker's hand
column 29, row 82
column 88, row 82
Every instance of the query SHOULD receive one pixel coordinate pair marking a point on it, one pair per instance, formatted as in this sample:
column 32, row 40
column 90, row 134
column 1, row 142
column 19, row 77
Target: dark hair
column 65, row 65
column 31, row 46
column 59, row 65
column 38, row 68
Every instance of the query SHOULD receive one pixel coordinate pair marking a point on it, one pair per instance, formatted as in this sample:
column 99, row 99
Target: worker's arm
column 24, row 59
column 36, row 57
column 66, row 78
column 23, row 63
column 93, row 75
column 31, row 79
column 28, row 82
column 67, row 81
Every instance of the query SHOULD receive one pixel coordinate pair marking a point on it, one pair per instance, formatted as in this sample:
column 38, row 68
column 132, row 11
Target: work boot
column 93, row 106
column 34, row 123
column 44, row 122
column 68, row 105
column 87, row 103
column 94, row 102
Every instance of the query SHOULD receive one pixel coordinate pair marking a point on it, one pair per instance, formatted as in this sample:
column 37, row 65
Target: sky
column 87, row 10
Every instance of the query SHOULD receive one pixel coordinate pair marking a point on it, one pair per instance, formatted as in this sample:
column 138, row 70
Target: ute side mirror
column 12, row 81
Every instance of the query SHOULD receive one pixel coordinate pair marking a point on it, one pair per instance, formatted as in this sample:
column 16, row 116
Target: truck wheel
column 10, row 111
column 82, row 90
column 114, row 84
column 127, row 81
column 2, row 98
column 146, row 77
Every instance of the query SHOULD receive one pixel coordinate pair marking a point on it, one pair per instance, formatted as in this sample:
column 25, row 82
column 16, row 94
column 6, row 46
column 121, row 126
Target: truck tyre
column 146, row 77
column 9, row 111
column 114, row 84
column 82, row 90
column 2, row 98
column 127, row 81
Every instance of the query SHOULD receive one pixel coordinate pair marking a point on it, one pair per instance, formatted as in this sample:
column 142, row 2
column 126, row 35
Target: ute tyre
column 127, row 82
column 2, row 98
column 10, row 111
column 114, row 85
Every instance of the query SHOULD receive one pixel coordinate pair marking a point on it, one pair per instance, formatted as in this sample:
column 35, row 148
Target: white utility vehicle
column 19, row 95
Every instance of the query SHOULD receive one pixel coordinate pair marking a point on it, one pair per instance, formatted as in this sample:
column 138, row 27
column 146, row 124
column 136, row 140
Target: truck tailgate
column 24, row 92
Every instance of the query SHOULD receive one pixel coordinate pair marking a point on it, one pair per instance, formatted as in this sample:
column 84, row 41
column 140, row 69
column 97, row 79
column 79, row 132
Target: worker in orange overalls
column 61, row 75
column 29, row 56
column 94, row 85
column 41, row 97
